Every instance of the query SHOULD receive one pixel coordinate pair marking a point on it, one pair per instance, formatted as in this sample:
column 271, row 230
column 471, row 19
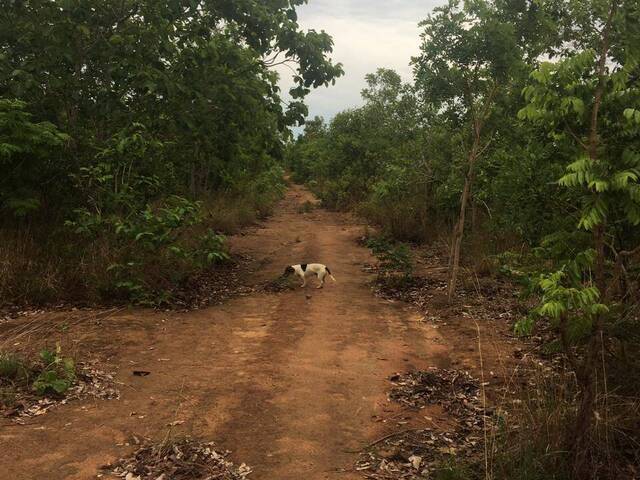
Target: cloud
column 367, row 34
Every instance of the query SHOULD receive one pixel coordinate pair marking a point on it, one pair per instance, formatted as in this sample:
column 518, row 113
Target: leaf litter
column 414, row 454
column 279, row 284
column 185, row 459
column 213, row 286
column 90, row 382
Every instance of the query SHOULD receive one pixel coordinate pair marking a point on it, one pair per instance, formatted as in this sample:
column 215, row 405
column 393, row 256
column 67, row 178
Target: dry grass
column 532, row 435
column 36, row 268
column 51, row 265
column 230, row 215
column 403, row 222
column 533, row 440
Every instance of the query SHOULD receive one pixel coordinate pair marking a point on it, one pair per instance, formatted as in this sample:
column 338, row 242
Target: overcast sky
column 367, row 34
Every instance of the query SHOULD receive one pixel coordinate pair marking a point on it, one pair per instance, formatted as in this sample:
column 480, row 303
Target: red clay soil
column 293, row 383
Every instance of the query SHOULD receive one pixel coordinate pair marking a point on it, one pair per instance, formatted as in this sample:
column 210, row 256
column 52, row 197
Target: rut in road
column 292, row 383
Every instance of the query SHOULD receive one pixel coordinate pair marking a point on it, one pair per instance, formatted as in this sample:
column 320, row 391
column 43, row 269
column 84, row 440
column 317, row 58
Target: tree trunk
column 479, row 117
column 458, row 231
column 192, row 180
column 582, row 467
column 474, row 218
column 586, row 374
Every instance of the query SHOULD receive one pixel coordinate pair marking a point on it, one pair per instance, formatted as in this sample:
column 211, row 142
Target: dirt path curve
column 292, row 383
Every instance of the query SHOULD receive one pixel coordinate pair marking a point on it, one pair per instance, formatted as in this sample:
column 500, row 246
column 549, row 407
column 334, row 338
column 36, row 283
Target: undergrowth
column 50, row 374
column 533, row 442
column 144, row 257
column 395, row 266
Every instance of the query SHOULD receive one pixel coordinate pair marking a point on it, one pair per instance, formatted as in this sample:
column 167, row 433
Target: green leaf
column 578, row 106
column 524, row 326
column 84, row 30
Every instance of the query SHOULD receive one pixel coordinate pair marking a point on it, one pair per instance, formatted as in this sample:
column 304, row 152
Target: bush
column 125, row 252
column 51, row 374
column 395, row 263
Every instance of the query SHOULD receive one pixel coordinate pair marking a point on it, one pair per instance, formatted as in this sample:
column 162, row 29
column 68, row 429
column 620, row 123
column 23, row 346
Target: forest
column 142, row 144
column 124, row 128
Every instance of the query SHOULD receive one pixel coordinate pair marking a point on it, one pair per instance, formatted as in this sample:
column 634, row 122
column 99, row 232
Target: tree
column 361, row 147
column 467, row 56
column 198, row 75
column 25, row 152
column 589, row 101
column 155, row 106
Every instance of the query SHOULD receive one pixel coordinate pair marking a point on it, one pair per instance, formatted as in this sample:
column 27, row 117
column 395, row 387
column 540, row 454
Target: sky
column 367, row 34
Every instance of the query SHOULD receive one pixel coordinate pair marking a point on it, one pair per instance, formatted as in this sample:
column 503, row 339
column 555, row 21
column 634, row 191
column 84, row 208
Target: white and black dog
column 304, row 270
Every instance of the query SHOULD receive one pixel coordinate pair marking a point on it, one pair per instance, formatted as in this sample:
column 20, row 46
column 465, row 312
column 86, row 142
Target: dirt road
column 293, row 383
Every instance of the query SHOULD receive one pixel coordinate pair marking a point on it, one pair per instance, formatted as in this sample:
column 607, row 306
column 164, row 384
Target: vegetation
column 522, row 124
column 51, row 374
column 136, row 134
column 394, row 260
column 128, row 129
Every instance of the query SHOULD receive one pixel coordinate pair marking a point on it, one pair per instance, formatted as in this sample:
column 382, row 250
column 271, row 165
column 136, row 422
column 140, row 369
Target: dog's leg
column 321, row 278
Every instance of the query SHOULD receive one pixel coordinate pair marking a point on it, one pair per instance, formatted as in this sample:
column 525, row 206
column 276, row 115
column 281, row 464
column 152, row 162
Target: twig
column 172, row 424
column 488, row 476
column 606, row 398
column 486, row 145
column 395, row 434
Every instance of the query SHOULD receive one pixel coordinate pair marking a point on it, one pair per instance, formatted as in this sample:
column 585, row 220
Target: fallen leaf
column 416, row 461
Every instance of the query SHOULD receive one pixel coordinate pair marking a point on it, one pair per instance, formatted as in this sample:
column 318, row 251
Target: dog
column 304, row 270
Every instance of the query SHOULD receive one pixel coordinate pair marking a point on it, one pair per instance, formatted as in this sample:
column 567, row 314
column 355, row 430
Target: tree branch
column 486, row 145
column 576, row 138
column 602, row 66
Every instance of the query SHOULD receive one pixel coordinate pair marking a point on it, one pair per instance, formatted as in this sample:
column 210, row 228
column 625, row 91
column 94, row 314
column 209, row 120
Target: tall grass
column 407, row 222
column 48, row 264
column 531, row 436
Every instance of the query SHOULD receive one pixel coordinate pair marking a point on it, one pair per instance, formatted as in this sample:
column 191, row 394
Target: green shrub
column 58, row 373
column 51, row 373
column 395, row 266
column 394, row 257
column 54, row 381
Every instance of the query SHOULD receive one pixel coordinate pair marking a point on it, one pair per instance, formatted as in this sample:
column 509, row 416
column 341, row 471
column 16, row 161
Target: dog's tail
column 329, row 272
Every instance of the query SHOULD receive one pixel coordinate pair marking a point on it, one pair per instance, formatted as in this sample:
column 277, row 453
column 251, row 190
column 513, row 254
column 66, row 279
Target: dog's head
column 288, row 271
